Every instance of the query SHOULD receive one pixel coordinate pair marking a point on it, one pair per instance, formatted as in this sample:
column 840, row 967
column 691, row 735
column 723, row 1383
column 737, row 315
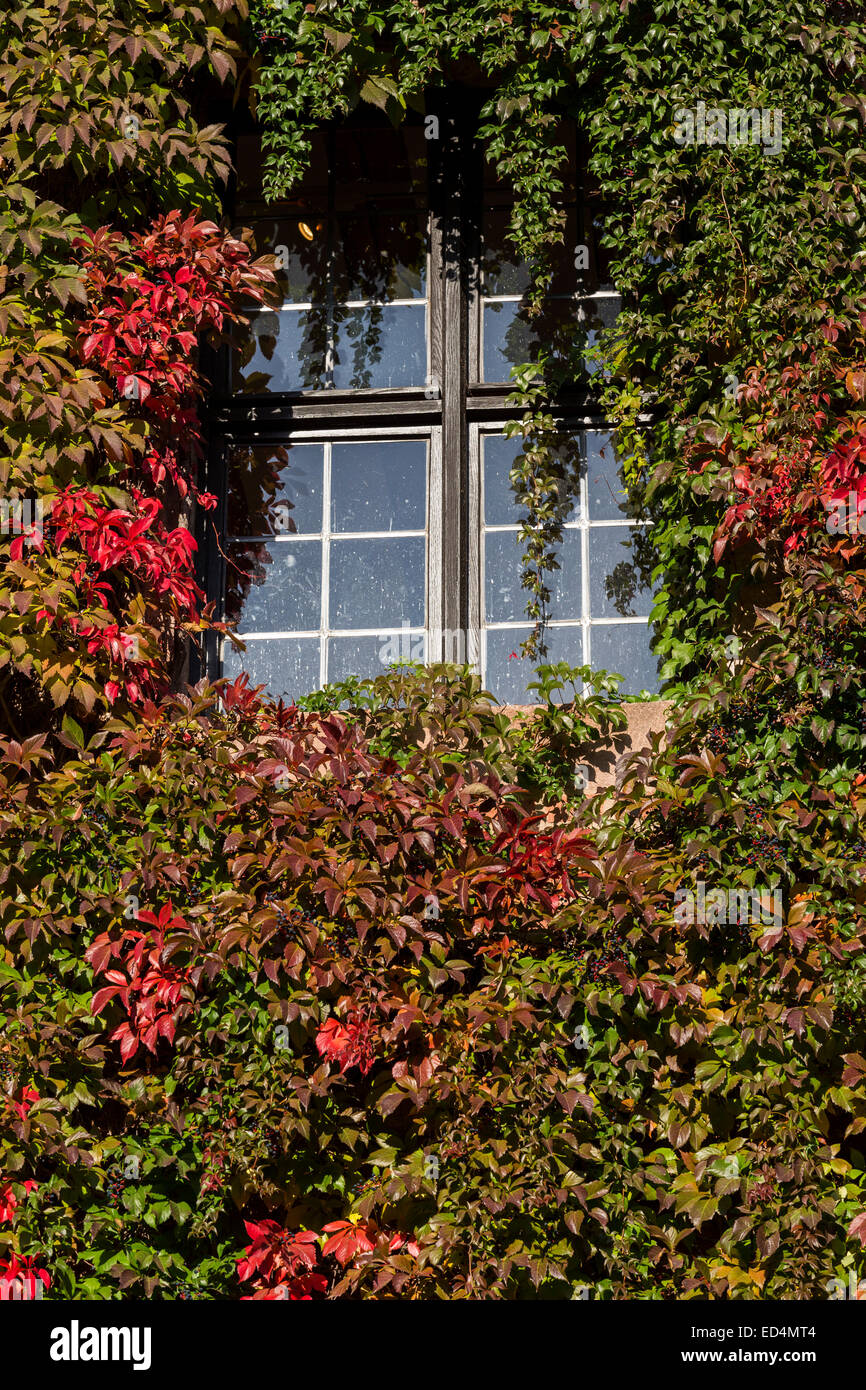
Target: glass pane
column 511, row 338
column 369, row 657
column 276, row 587
column 625, row 647
column 300, row 244
column 377, row 583
column 506, row 672
column 287, row 666
column 380, row 256
column 286, row 351
column 620, row 565
column 380, row 347
column 606, row 490
column 380, row 486
column 509, row 673
column 379, row 161
column 506, row 599
column 275, row 491
column 503, row 272
column 500, row 507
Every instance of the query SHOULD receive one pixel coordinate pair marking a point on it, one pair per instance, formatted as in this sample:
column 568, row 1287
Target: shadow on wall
column 644, row 719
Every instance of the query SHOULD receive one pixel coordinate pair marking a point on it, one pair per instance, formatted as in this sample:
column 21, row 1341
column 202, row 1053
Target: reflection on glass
column 275, row 587
column 565, row 328
column 300, row 245
column 275, row 491
column 619, row 573
column 379, row 486
column 287, row 667
column 625, row 647
column 508, row 673
column 380, row 347
column 380, row 257
column 377, row 582
column 607, row 493
column 371, row 656
column 506, row 599
column 286, row 351
column 505, row 272
column 511, row 337
column 500, row 507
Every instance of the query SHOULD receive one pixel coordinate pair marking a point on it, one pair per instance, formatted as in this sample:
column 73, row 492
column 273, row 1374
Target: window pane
column 625, row 647
column 500, row 507
column 380, row 256
column 378, row 161
column 508, row 673
column 511, row 338
column 380, row 347
column 276, row 587
column 300, row 244
column 598, row 312
column 377, row 583
column 503, row 272
column 275, row 491
column 606, row 490
column 287, row 666
column 619, row 570
column 506, row 599
column 380, row 486
column 286, row 351
column 369, row 657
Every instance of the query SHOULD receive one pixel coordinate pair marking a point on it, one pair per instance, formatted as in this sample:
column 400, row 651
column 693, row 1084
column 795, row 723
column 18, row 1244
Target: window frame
column 452, row 409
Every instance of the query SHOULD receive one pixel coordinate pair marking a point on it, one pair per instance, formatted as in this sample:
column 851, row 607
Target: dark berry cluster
column 270, row 1137
column 735, row 936
column 117, row 1185
column 718, row 738
column 597, row 960
column 656, row 830
column 763, row 847
column 188, row 896
column 290, row 925
column 8, row 1073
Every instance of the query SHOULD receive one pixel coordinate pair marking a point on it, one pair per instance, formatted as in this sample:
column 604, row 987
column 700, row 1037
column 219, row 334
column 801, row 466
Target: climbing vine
column 726, row 256
column 367, row 998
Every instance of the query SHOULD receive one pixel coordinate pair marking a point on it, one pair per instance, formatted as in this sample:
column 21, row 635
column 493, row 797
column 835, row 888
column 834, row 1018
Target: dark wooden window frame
column 453, row 398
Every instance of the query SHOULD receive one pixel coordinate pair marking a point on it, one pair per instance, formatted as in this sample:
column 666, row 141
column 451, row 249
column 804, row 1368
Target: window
column 359, row 452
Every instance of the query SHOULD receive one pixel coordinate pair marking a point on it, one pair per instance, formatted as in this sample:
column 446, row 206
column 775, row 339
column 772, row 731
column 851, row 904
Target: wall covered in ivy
column 368, row 998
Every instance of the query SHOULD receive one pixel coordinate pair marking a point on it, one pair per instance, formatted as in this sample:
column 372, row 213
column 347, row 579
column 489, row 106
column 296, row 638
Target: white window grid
column 431, row 533
column 582, row 524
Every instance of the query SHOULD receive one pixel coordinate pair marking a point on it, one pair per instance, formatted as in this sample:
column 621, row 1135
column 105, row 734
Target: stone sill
column 646, row 717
